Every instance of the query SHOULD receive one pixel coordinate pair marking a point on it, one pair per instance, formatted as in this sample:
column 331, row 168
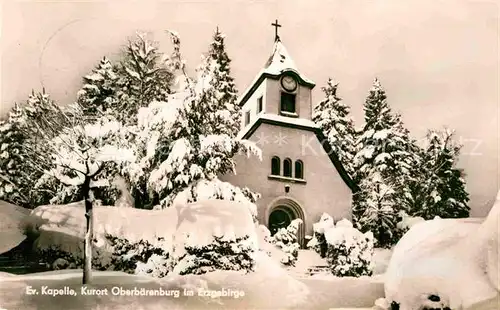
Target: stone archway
column 281, row 212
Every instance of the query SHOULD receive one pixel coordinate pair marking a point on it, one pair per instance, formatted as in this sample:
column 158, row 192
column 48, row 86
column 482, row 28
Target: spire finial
column 276, row 26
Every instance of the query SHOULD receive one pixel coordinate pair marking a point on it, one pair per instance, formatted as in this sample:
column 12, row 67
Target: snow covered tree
column 438, row 188
column 376, row 209
column 76, row 155
column 221, row 97
column 21, row 171
column 143, row 77
column 384, row 164
column 98, row 94
column 15, row 177
column 190, row 140
column 385, row 145
column 332, row 116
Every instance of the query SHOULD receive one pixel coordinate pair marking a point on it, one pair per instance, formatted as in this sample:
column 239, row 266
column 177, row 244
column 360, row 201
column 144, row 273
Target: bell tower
column 298, row 174
column 279, row 89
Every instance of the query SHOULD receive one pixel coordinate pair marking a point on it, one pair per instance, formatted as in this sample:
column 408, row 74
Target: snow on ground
column 269, row 287
column 381, row 258
column 456, row 259
column 12, row 219
column 306, row 259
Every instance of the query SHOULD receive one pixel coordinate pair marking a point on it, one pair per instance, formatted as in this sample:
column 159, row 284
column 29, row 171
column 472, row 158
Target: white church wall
column 251, row 103
column 323, row 190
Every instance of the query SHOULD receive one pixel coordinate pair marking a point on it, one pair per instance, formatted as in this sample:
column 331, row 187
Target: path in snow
column 342, row 292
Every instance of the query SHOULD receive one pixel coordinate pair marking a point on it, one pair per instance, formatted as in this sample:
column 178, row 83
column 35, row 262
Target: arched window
column 299, row 169
column 275, row 166
column 287, row 168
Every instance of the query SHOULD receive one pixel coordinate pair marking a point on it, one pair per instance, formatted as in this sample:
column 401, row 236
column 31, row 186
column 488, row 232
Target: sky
column 437, row 59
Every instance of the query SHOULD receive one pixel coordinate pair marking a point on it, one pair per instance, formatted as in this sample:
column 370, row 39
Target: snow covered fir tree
column 164, row 170
column 332, row 116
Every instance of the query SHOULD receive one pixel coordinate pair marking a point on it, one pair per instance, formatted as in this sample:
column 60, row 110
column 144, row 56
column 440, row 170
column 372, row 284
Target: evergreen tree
column 386, row 157
column 143, row 77
column 15, row 178
column 98, row 94
column 332, row 116
column 191, row 142
column 221, row 96
column 385, row 145
column 438, row 188
column 22, row 174
column 376, row 209
column 119, row 90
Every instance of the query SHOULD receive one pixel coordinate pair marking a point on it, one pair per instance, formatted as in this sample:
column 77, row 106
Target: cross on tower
column 276, row 26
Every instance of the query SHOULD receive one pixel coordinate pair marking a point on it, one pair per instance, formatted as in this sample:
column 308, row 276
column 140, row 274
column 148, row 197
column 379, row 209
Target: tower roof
column 280, row 59
column 278, row 63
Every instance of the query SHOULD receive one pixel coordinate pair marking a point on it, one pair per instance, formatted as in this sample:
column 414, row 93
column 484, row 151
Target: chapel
column 299, row 175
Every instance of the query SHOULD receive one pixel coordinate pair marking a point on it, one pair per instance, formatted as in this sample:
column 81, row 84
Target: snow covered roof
column 305, row 124
column 278, row 63
column 284, row 120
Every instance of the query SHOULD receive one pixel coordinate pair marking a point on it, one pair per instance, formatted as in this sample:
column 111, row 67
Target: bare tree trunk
column 87, row 243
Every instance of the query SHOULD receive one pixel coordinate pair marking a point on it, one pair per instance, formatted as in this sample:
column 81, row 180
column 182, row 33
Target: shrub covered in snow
column 117, row 254
column 139, row 257
column 54, row 257
column 286, row 240
column 318, row 242
column 213, row 235
column 221, row 254
column 349, row 252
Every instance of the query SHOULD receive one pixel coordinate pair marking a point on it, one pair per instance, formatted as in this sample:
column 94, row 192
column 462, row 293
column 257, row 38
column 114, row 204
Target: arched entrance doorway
column 280, row 217
column 281, row 212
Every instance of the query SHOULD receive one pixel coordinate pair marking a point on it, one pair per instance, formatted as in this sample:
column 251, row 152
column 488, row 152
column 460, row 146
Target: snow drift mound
column 182, row 233
column 446, row 263
column 65, row 225
column 60, row 229
column 12, row 219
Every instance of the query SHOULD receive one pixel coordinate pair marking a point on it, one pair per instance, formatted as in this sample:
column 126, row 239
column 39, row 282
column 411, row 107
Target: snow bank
column 12, row 220
column 407, row 221
column 177, row 230
column 455, row 259
column 65, row 225
column 381, row 258
column 256, row 290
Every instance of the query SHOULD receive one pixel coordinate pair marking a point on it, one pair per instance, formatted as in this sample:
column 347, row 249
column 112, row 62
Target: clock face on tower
column 289, row 83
